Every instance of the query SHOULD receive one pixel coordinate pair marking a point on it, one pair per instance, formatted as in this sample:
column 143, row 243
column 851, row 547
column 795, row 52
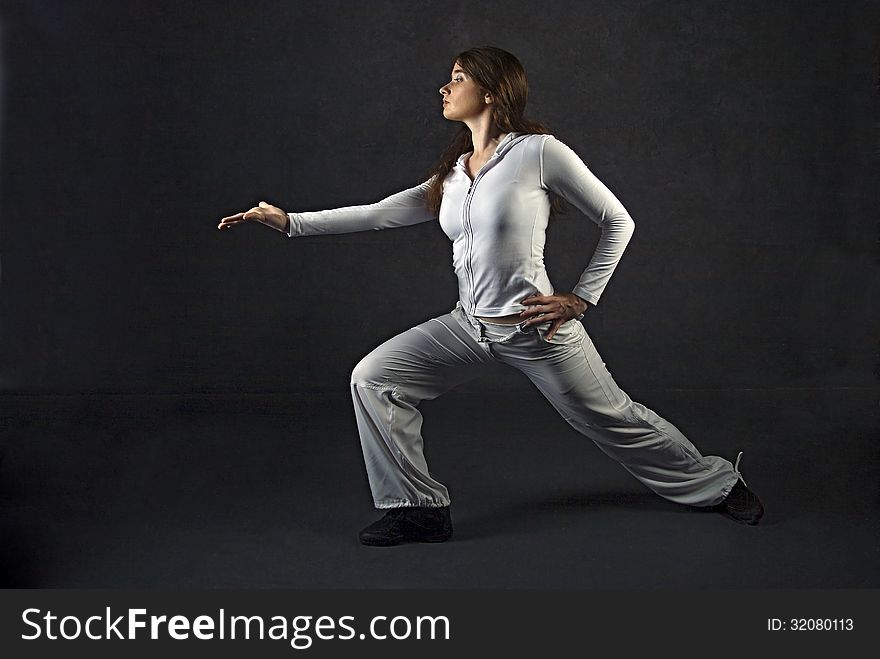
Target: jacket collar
column 503, row 146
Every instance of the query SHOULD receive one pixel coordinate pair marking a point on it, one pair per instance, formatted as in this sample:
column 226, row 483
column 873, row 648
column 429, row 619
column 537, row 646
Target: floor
column 269, row 491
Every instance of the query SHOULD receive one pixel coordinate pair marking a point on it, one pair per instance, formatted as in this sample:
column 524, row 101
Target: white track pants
column 423, row 362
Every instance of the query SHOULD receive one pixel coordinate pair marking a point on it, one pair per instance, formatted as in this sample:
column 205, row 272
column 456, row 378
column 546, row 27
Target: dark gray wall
column 742, row 137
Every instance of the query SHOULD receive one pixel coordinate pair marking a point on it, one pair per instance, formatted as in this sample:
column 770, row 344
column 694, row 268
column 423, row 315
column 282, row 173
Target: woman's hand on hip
column 264, row 213
column 557, row 308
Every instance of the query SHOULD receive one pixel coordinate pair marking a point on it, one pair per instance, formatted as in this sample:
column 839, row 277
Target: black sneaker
column 742, row 505
column 409, row 524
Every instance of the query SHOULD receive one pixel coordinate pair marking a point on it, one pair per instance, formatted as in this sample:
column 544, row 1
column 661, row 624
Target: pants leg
column 387, row 385
column 573, row 378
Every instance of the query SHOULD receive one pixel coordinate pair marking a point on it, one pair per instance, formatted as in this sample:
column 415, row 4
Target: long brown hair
column 500, row 74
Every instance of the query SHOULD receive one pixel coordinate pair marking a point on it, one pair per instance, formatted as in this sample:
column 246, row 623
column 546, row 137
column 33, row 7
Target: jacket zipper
column 469, row 244
column 466, row 223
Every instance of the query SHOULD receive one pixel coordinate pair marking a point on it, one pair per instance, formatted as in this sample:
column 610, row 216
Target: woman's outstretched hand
column 264, row 213
column 557, row 308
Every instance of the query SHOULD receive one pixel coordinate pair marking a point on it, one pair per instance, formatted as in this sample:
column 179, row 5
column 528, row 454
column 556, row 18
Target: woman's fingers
column 539, row 315
column 555, row 326
column 260, row 213
column 536, row 318
column 558, row 307
column 536, row 299
column 542, row 309
column 229, row 221
column 533, row 310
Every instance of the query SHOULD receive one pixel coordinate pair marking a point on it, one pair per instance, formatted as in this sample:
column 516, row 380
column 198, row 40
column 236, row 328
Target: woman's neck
column 485, row 137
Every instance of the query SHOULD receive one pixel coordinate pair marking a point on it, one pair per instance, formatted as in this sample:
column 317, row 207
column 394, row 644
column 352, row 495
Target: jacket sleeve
column 399, row 210
column 563, row 172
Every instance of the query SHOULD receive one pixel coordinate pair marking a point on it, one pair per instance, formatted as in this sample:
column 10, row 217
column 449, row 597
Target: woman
column 491, row 191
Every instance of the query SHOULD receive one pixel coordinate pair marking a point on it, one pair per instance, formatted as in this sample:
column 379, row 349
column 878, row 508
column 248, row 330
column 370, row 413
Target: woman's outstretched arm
column 400, row 209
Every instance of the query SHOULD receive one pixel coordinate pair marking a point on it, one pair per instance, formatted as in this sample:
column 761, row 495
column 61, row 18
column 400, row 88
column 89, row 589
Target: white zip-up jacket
column 497, row 222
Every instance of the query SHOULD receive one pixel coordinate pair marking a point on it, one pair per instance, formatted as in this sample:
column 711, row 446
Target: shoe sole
column 751, row 520
column 400, row 540
column 748, row 521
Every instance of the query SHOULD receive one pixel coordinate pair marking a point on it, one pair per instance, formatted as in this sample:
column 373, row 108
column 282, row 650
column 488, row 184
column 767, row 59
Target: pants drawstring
column 736, row 469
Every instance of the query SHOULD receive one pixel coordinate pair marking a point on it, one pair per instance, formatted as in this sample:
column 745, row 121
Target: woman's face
column 462, row 97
